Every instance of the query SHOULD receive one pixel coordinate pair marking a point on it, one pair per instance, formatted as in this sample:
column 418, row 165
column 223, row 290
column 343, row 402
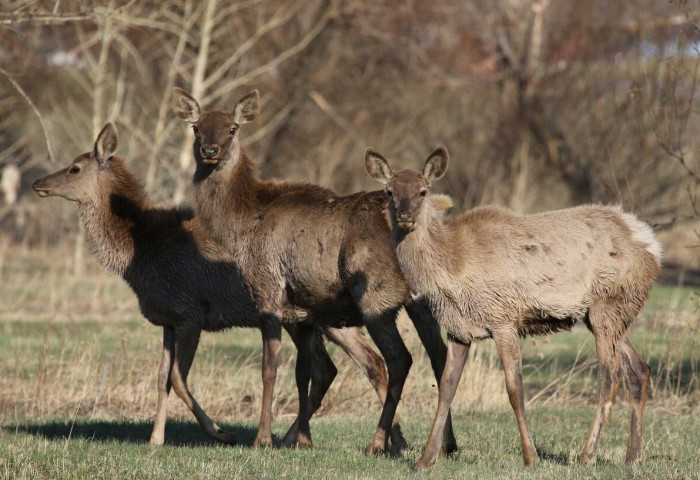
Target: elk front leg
column 508, row 345
column 354, row 343
column 271, row 329
column 429, row 333
column 457, row 353
column 186, row 343
column 607, row 342
column 386, row 336
column 164, row 384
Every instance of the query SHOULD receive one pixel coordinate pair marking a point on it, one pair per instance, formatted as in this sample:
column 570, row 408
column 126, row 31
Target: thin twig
column 337, row 119
column 36, row 112
column 574, row 370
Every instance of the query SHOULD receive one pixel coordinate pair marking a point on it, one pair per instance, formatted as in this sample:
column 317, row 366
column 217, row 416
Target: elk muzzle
column 210, row 153
column 40, row 188
column 404, row 220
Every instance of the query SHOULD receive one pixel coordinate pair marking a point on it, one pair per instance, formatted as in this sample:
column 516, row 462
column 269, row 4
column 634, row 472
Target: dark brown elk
column 305, row 244
column 184, row 281
column 490, row 273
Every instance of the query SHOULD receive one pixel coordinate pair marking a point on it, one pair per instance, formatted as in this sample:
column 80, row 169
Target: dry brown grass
column 76, row 346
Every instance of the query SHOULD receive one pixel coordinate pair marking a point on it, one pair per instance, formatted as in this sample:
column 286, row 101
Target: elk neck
column 110, row 220
column 426, row 252
column 226, row 196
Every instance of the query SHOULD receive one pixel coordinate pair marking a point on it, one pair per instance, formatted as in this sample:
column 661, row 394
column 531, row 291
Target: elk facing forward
column 491, row 273
column 303, row 243
column 184, row 281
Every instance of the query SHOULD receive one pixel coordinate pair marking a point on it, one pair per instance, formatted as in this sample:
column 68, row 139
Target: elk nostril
column 36, row 184
column 210, row 152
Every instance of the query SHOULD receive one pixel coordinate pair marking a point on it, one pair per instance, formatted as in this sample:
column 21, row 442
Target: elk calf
column 490, row 273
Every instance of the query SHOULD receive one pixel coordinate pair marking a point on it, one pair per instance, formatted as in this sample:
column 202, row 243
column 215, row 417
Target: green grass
column 77, row 394
column 490, row 448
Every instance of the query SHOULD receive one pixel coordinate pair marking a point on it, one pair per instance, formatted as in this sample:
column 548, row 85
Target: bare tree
column 545, row 103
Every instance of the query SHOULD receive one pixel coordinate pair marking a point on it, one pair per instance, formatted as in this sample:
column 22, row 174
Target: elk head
column 406, row 188
column 216, row 131
column 79, row 181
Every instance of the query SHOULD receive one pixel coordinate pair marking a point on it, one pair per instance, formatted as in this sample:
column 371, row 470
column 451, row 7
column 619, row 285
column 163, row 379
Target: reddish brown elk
column 324, row 252
column 491, row 273
column 184, row 281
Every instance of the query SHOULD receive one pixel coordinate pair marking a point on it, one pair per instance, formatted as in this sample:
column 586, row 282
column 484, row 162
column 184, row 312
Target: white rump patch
column 642, row 233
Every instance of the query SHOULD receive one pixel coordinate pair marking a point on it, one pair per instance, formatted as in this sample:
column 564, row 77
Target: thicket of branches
column 542, row 104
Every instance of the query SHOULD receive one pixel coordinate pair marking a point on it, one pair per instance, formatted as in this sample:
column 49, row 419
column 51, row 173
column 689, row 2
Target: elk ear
column 106, row 144
column 185, row 106
column 436, row 165
column 377, row 167
column 247, row 108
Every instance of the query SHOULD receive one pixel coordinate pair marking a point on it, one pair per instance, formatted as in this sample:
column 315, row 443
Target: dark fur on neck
column 123, row 218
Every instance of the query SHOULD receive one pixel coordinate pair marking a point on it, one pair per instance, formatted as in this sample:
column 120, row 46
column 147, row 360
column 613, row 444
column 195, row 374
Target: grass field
column 77, row 393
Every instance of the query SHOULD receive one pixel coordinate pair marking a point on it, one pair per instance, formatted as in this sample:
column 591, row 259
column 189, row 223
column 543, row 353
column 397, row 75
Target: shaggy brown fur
column 184, row 281
column 320, row 251
column 490, row 273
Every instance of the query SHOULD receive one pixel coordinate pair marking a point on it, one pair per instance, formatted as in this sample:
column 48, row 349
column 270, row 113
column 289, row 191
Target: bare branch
column 36, row 111
column 269, row 126
column 282, row 57
column 337, row 119
column 275, row 22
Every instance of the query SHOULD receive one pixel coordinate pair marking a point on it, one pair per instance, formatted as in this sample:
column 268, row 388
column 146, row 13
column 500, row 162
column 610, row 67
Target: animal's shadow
column 559, row 458
column 177, row 434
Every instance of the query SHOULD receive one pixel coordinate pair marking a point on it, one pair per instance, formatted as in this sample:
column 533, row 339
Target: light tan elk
column 184, row 281
column 490, row 273
column 303, row 243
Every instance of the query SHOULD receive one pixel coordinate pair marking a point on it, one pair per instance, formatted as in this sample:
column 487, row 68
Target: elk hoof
column 297, row 441
column 448, row 449
column 633, row 458
column 262, row 443
column 227, row 437
column 303, row 442
column 423, row 465
column 398, row 442
column 375, row 450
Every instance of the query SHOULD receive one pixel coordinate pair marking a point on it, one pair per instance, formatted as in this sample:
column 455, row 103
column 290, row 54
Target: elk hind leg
column 354, row 343
column 603, row 322
column 637, row 373
column 306, row 337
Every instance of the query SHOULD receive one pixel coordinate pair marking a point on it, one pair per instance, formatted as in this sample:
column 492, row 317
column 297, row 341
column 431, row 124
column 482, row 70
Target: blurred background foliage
column 542, row 104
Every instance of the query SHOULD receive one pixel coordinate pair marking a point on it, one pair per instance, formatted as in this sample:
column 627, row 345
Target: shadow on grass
column 178, row 434
column 553, row 457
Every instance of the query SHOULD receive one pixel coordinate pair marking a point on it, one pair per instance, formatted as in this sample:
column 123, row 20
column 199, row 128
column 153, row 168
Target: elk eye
column 74, row 169
column 389, row 193
column 195, row 130
column 233, row 130
column 422, row 193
